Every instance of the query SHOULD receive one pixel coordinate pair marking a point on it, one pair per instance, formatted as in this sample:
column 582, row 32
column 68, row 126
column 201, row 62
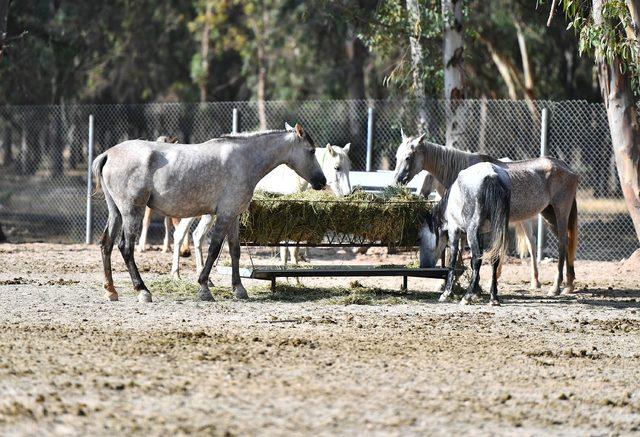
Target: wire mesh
column 44, row 148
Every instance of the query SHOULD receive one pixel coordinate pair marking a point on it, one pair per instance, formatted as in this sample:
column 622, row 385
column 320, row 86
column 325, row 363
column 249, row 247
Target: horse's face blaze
column 409, row 159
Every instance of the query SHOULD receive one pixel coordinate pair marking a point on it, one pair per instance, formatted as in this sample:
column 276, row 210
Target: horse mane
column 447, row 161
column 245, row 135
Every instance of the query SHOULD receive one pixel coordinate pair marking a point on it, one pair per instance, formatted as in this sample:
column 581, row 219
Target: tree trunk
column 417, row 60
column 454, row 79
column 6, row 146
column 4, row 15
column 204, row 51
column 3, row 238
column 356, row 54
column 623, row 125
column 262, row 68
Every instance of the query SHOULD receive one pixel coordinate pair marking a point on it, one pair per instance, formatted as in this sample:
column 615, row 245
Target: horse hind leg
column 560, row 229
column 572, row 245
column 494, row 301
column 111, row 231
column 473, row 292
column 185, row 252
column 131, row 223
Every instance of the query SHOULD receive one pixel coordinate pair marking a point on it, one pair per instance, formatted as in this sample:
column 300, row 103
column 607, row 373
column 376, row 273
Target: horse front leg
column 220, row 231
column 178, row 235
column 234, row 251
column 203, row 228
column 146, row 221
column 168, row 224
column 531, row 242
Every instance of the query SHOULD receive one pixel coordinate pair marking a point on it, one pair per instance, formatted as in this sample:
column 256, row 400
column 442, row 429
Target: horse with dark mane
column 544, row 186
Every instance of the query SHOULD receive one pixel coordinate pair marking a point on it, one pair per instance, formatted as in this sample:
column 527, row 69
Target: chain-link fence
column 43, row 156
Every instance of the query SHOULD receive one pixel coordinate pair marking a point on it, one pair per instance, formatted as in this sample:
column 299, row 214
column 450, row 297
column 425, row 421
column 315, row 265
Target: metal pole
column 369, row 137
column 544, row 130
column 87, row 239
column 234, row 121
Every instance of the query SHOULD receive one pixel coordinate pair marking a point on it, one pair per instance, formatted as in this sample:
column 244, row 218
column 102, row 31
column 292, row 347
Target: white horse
column 217, row 177
column 477, row 204
column 335, row 164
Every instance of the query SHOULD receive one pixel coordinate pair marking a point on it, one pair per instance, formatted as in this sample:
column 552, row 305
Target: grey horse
column 544, row 186
column 217, row 177
column 477, row 204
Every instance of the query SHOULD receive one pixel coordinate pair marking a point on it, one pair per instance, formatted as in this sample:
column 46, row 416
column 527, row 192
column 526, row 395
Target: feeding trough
column 391, row 218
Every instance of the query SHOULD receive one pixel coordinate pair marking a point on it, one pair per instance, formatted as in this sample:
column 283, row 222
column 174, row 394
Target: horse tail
column 96, row 170
column 521, row 242
column 497, row 199
column 572, row 234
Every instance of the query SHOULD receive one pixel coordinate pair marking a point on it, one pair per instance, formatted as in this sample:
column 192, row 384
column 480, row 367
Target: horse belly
column 528, row 198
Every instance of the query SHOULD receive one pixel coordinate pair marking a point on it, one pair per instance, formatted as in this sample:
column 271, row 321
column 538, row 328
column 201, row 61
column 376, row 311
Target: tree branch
column 552, row 12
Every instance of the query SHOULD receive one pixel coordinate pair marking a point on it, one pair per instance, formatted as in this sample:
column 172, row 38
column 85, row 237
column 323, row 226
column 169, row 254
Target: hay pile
column 391, row 218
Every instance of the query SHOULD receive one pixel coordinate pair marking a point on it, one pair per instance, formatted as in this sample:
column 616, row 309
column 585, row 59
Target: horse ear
column 299, row 130
column 404, row 137
column 287, row 127
column 346, row 148
column 421, row 138
column 332, row 152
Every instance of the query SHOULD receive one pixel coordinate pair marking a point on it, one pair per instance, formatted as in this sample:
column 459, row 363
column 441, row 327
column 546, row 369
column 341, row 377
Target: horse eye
column 337, row 167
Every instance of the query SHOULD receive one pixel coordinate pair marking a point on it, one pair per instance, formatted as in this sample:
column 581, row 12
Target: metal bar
column 369, row 138
column 544, row 131
column 234, row 121
column 269, row 272
column 405, row 283
column 89, row 224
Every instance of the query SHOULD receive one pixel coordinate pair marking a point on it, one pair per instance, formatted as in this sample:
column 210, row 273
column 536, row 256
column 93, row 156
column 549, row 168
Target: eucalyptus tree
column 608, row 30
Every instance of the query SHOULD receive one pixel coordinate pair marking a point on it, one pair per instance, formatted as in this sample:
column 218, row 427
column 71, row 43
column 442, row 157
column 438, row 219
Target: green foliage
column 609, row 39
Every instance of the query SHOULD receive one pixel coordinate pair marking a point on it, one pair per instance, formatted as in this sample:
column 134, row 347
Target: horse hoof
column 185, row 253
column 535, row 285
column 443, row 298
column 567, row 290
column 240, row 292
column 554, row 291
column 205, row 295
column 113, row 297
column 144, row 296
column 494, row 303
column 175, row 276
column 464, row 301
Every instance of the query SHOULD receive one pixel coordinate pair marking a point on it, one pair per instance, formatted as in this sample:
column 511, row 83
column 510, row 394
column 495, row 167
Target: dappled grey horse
column 217, row 177
column 335, row 164
column 477, row 205
column 544, row 186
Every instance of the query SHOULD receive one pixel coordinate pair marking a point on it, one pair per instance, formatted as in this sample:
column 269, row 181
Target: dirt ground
column 332, row 357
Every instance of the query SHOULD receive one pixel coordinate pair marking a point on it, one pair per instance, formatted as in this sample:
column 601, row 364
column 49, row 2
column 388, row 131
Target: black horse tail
column 495, row 199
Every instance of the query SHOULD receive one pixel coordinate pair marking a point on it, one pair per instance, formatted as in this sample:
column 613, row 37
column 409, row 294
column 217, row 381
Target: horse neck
column 269, row 153
column 444, row 163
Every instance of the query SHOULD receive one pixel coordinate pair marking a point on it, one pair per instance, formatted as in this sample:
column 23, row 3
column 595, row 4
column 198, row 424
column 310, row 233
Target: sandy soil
column 312, row 360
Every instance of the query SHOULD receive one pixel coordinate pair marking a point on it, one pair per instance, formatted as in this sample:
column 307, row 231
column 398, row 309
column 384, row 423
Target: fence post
column 544, row 130
column 369, row 137
column 234, row 121
column 89, row 228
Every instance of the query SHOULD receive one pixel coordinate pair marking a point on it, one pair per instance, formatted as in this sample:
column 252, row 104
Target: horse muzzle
column 318, row 183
